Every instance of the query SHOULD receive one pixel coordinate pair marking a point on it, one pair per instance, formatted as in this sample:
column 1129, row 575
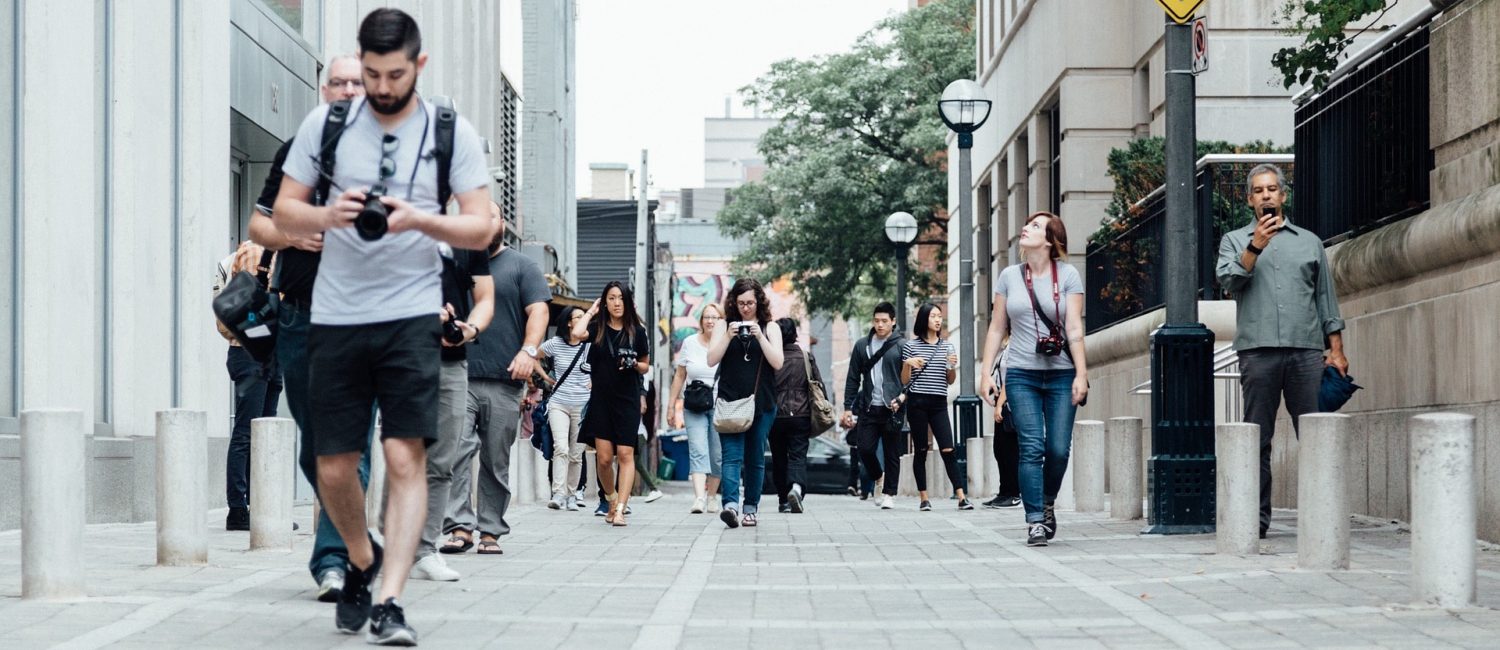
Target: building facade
column 549, row 194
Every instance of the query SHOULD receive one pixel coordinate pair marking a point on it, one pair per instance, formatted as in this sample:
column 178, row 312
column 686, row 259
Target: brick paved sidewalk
column 843, row 575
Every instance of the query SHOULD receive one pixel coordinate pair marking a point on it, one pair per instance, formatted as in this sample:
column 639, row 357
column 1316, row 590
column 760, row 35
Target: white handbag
column 736, row 416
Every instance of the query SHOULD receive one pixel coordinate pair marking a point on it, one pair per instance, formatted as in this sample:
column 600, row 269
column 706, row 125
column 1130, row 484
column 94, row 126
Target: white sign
column 1200, row 45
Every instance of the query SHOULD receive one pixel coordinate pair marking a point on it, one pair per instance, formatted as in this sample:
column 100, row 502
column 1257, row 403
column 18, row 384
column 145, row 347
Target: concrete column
column 1323, row 492
column 1123, row 442
column 1237, row 518
column 978, row 474
column 375, row 489
column 273, row 444
column 906, row 486
column 53, row 444
column 1443, row 509
column 1088, row 465
column 991, row 467
column 181, row 481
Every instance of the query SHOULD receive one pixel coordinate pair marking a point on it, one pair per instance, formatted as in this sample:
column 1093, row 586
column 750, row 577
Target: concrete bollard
column 1443, row 510
column 273, row 443
column 978, row 466
column 543, row 485
column 181, row 482
column 1237, row 515
column 1088, row 465
column 53, row 446
column 1123, row 440
column 1323, row 492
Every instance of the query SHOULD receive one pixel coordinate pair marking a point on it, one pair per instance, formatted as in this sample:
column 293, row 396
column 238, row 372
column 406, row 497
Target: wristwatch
column 1254, row 250
column 530, row 350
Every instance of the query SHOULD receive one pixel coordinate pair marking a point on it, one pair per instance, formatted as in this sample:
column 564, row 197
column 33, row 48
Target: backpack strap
column 446, row 125
column 333, row 129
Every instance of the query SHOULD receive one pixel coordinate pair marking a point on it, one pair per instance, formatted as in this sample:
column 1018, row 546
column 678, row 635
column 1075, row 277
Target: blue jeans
column 328, row 551
column 1042, row 403
column 745, row 458
column 705, row 451
column 257, row 390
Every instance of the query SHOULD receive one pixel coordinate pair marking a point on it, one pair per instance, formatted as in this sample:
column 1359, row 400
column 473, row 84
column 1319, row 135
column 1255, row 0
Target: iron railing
column 1363, row 143
column 1125, row 277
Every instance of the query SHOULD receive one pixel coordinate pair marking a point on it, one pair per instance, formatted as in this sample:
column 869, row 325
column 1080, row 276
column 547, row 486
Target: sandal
column 459, row 541
column 748, row 520
column 489, row 547
column 618, row 517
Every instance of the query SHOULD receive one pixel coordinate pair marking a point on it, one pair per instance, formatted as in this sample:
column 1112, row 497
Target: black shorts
column 613, row 419
column 352, row 367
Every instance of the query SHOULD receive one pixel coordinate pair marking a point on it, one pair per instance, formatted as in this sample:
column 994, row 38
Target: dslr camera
column 1050, row 345
column 744, row 334
column 626, row 357
column 374, row 219
column 452, row 333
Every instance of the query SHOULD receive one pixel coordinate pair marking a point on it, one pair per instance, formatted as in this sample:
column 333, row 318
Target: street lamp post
column 964, row 109
column 901, row 230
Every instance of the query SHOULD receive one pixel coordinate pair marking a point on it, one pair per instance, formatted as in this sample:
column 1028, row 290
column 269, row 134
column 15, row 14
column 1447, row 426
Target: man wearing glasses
column 375, row 328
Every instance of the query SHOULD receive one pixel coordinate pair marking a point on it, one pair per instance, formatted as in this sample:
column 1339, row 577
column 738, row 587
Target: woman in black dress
column 748, row 352
column 620, row 354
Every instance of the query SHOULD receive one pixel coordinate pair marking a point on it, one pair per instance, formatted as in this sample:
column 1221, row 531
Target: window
column 1054, row 154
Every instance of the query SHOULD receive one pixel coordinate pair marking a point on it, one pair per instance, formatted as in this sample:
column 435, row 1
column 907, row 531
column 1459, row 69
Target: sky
column 650, row 71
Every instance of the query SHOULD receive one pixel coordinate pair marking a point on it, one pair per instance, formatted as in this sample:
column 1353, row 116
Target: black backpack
column 337, row 120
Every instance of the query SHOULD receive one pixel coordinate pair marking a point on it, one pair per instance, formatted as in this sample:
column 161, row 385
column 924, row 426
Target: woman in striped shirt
column 565, row 407
column 929, row 366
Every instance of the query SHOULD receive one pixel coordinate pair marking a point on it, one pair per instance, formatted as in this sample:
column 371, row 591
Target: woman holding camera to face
column 619, row 353
column 748, row 353
column 1039, row 303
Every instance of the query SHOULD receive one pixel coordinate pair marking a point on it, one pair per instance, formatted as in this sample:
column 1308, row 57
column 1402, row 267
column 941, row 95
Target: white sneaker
column 433, row 568
column 713, row 505
column 572, row 503
column 557, row 501
column 654, row 495
column 886, row 502
column 579, row 496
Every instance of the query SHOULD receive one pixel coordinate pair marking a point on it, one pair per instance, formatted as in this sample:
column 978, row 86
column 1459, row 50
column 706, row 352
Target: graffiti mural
column 690, row 292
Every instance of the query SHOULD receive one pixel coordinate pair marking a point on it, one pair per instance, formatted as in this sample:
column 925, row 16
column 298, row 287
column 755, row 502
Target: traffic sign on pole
column 1180, row 11
column 1200, row 45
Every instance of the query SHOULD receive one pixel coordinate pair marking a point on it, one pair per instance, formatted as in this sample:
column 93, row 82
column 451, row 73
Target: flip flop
column 489, row 547
column 456, row 544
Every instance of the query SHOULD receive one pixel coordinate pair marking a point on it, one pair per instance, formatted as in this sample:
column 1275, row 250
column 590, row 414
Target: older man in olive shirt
column 1287, row 315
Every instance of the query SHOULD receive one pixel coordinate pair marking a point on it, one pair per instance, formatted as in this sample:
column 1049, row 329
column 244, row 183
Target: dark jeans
column 745, row 463
column 1266, row 374
column 257, row 390
column 1042, row 401
column 930, row 413
column 1008, row 458
column 879, row 447
column 789, row 454
column 328, row 550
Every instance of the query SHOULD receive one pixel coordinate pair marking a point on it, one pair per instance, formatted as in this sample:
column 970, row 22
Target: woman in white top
column 565, row 407
column 695, row 378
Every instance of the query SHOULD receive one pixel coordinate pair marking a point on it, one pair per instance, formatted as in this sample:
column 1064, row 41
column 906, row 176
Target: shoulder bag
column 736, row 416
column 822, row 409
column 898, row 414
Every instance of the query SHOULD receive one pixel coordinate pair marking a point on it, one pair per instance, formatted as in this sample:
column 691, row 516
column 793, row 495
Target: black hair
column 631, row 318
column 885, row 307
column 919, row 326
column 562, row 321
column 788, row 331
column 386, row 30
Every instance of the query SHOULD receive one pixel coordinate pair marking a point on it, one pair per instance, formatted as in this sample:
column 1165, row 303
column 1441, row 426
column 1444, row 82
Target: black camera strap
column 581, row 352
column 338, row 120
column 1036, row 306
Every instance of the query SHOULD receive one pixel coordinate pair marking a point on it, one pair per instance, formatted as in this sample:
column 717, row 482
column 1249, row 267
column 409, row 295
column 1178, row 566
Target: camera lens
column 452, row 333
column 373, row 221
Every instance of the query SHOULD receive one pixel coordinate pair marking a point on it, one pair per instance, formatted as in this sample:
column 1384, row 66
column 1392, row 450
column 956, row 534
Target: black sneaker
column 1010, row 502
column 354, row 601
column 1049, row 518
column 965, row 504
column 730, row 517
column 925, row 506
column 783, row 508
column 388, row 625
column 238, row 519
column 1037, row 534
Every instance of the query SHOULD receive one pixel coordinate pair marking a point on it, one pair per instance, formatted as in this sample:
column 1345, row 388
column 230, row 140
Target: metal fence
column 1363, row 144
column 1125, row 276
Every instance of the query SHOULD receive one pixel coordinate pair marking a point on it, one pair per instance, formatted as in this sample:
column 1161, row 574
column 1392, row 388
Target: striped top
column 574, row 391
column 934, row 380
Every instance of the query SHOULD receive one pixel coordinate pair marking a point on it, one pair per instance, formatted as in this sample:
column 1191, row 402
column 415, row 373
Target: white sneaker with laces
column 433, row 568
column 654, row 495
column 713, row 505
column 886, row 502
column 698, row 505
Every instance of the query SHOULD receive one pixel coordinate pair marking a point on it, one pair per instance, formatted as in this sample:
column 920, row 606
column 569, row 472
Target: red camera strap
column 1056, row 297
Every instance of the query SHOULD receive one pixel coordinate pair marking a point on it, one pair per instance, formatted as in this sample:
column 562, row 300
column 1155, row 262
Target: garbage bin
column 674, row 447
column 666, row 468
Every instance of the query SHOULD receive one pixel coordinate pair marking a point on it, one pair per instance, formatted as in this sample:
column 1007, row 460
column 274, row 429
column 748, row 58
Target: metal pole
column 966, row 408
column 642, row 280
column 902, row 251
column 1182, row 274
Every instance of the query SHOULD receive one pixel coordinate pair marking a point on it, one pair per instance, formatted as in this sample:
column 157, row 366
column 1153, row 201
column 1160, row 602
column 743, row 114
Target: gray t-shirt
column 877, row 373
column 1025, row 326
column 396, row 276
column 518, row 283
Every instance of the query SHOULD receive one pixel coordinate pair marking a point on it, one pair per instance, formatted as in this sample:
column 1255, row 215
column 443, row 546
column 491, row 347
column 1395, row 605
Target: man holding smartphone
column 1287, row 322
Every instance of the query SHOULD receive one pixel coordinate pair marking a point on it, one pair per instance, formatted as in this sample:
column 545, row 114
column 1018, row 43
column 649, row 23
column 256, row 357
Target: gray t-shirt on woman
column 1027, row 327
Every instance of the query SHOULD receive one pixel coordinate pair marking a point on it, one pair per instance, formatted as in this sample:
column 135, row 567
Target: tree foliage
column 858, row 137
column 1322, row 24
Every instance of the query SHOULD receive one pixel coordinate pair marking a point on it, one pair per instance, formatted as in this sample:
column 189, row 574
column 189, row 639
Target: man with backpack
column 874, row 380
column 375, row 332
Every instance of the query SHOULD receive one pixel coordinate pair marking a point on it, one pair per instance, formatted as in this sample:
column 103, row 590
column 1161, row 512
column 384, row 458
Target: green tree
column 1322, row 24
column 858, row 137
